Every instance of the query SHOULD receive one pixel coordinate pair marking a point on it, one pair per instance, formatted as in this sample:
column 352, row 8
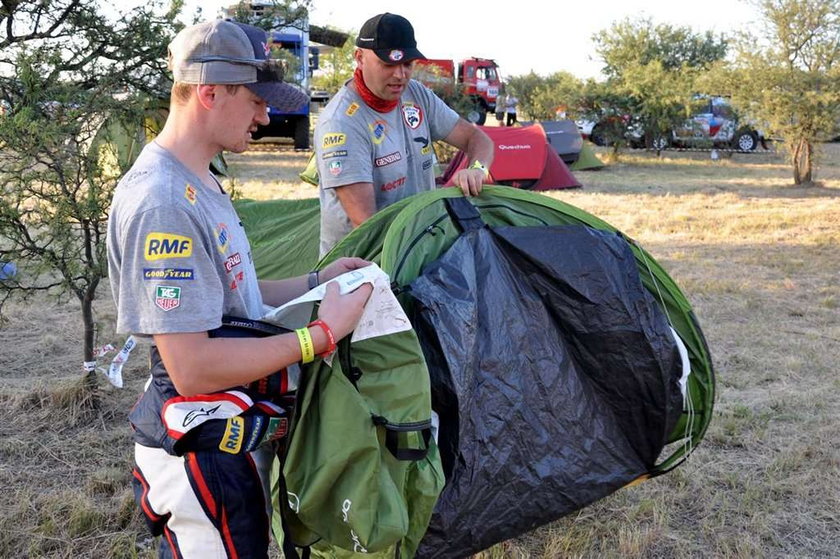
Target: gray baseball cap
column 229, row 52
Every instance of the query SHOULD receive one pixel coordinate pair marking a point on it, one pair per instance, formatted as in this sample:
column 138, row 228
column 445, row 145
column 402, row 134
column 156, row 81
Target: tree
column 273, row 14
column 337, row 66
column 651, row 72
column 788, row 76
column 76, row 86
column 611, row 109
column 524, row 88
column 630, row 43
column 559, row 91
column 661, row 98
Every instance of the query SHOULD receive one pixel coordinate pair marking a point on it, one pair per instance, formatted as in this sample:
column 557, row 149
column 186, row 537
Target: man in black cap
column 179, row 261
column 373, row 142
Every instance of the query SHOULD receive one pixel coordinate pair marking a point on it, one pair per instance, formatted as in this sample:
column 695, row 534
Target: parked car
column 716, row 125
column 596, row 132
column 713, row 125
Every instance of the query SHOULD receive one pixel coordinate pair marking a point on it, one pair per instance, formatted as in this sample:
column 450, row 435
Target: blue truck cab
column 292, row 45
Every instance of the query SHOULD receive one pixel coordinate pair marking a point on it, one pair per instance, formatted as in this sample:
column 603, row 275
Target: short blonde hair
column 181, row 92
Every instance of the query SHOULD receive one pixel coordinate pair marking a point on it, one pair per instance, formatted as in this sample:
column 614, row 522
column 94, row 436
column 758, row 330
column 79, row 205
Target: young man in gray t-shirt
column 179, row 261
column 373, row 142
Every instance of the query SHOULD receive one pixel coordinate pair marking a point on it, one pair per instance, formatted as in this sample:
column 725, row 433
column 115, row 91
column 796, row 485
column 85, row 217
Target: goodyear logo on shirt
column 337, row 153
column 333, row 139
column 159, row 246
column 168, row 274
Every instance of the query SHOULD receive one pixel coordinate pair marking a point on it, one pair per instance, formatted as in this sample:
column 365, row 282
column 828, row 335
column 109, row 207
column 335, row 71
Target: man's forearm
column 279, row 292
column 358, row 201
column 480, row 148
column 198, row 364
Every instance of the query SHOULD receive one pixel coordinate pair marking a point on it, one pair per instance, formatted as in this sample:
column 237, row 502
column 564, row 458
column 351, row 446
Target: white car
column 714, row 125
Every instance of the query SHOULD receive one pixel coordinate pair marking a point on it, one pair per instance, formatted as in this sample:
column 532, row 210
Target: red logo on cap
column 396, row 55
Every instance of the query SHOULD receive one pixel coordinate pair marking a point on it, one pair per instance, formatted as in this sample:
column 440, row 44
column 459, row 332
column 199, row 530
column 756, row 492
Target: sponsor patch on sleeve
column 232, row 261
column 335, row 168
column 159, row 246
column 168, row 274
column 333, row 139
column 336, row 153
column 167, row 297
column 234, row 433
column 351, row 110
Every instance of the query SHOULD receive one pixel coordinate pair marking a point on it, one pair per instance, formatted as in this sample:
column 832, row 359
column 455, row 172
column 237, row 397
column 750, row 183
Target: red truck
column 478, row 77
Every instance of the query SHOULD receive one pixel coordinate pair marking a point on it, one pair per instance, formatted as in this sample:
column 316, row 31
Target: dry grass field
column 758, row 258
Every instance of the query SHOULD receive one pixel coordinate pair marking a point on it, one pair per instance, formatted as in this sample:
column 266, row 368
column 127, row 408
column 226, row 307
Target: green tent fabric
column 414, row 233
column 373, row 478
column 406, row 236
column 283, row 234
column 587, row 160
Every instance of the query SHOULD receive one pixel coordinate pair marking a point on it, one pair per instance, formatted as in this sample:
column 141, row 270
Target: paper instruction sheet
column 382, row 314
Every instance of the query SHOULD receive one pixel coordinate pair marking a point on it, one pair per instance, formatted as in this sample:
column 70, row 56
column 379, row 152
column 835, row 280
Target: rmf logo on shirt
column 165, row 245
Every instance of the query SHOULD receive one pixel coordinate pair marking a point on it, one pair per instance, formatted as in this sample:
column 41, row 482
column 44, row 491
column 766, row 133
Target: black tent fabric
column 572, row 399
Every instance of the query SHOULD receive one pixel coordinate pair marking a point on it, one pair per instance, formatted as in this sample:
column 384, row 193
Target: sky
column 521, row 35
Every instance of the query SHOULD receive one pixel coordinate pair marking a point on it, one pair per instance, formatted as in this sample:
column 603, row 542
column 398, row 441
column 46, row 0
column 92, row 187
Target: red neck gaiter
column 371, row 100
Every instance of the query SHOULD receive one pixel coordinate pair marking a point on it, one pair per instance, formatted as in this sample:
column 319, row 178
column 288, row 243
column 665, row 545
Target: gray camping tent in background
column 564, row 137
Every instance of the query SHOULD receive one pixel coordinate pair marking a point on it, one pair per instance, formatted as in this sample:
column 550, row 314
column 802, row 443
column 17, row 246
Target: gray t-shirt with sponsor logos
column 393, row 150
column 178, row 257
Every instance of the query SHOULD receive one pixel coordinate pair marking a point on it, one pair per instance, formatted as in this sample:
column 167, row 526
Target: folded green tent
column 414, row 238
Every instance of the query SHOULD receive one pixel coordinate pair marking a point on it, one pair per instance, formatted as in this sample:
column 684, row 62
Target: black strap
column 238, row 327
column 392, row 437
column 289, row 549
column 464, row 214
column 352, row 372
column 392, row 442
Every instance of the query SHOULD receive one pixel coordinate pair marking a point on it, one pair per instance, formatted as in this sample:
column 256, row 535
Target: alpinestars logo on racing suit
column 201, row 412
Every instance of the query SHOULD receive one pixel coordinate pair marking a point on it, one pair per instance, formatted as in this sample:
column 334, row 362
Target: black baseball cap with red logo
column 391, row 37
